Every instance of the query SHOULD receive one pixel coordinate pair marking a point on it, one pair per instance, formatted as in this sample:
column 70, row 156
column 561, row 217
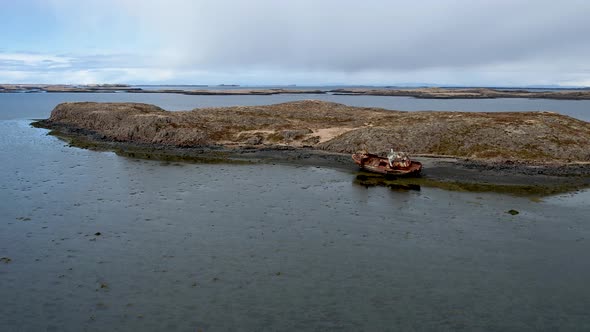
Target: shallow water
column 39, row 105
column 272, row 247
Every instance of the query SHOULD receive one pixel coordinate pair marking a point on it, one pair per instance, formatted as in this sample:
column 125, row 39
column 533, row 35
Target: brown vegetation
column 525, row 136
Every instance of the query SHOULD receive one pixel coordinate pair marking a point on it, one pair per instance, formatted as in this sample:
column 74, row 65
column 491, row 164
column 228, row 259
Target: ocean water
column 39, row 105
column 92, row 241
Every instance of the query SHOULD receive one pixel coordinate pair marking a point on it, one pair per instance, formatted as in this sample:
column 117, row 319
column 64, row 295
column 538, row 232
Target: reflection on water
column 384, row 181
column 533, row 191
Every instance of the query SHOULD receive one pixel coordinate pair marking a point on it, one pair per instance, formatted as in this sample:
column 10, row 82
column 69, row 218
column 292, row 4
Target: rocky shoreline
column 286, row 133
column 424, row 93
column 443, row 172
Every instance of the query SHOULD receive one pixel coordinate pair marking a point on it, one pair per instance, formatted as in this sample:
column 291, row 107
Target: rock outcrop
column 523, row 136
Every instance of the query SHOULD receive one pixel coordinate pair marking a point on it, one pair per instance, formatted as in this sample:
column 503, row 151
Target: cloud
column 349, row 35
column 72, row 69
column 31, row 60
column 379, row 41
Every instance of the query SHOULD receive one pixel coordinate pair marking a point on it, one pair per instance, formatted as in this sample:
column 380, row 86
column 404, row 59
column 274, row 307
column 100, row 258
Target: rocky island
column 425, row 93
column 530, row 147
column 471, row 93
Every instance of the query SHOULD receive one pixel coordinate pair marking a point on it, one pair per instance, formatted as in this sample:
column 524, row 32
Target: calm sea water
column 39, row 105
column 99, row 242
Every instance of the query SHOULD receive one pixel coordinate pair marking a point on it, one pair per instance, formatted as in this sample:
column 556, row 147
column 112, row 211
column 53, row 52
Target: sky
column 303, row 42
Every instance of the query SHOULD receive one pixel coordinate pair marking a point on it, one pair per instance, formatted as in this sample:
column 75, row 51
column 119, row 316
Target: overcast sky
column 381, row 42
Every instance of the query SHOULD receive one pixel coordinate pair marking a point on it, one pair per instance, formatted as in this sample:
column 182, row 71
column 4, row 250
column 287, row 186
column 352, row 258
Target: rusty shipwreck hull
column 374, row 163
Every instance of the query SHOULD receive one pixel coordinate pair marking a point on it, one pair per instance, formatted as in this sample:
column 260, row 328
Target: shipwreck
column 396, row 163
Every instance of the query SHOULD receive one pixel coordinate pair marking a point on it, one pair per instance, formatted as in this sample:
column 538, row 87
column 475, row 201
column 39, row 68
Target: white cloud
column 32, row 59
column 305, row 41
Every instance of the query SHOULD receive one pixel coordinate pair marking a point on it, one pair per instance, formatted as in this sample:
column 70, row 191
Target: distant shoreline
column 422, row 93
